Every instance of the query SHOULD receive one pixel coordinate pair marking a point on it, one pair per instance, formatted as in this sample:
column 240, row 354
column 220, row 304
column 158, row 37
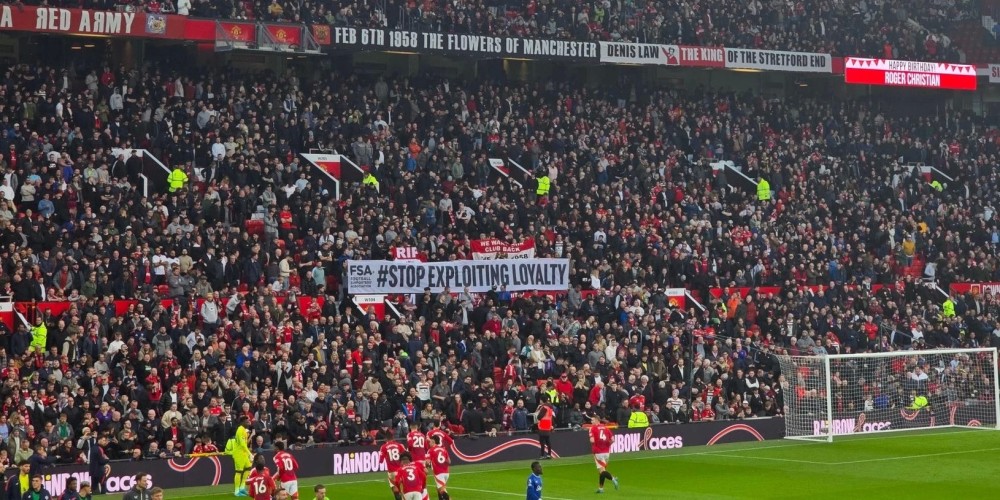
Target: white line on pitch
column 755, row 457
column 907, row 457
column 504, row 493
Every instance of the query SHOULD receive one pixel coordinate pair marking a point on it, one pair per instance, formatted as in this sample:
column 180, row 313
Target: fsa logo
column 360, row 271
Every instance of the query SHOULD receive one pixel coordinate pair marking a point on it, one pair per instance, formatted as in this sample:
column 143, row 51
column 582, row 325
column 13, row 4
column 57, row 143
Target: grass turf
column 943, row 463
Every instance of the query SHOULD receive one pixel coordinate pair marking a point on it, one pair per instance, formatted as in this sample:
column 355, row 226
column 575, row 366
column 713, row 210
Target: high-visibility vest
column 763, row 190
column 638, row 419
column 545, row 419
column 39, row 336
column 948, row 309
column 370, row 180
column 553, row 396
column 937, row 186
column 177, row 179
column 543, row 185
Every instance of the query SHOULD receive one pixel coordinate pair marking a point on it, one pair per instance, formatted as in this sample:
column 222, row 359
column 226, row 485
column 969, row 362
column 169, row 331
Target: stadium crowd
column 634, row 204
column 891, row 30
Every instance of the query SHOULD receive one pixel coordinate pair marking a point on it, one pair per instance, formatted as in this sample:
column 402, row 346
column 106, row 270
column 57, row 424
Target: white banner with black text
column 378, row 276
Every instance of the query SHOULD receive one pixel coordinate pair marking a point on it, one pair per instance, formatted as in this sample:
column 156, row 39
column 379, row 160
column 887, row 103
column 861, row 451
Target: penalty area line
column 907, row 457
column 774, row 459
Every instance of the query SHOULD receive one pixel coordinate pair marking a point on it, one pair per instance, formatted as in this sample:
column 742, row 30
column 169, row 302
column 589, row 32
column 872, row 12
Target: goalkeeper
column 239, row 448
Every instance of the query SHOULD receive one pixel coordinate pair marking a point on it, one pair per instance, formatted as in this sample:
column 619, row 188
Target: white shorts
column 441, row 480
column 292, row 487
column 601, row 460
column 415, row 496
column 392, row 479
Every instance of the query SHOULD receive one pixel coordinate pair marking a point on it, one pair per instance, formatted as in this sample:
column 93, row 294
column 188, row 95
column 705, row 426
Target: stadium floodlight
column 836, row 395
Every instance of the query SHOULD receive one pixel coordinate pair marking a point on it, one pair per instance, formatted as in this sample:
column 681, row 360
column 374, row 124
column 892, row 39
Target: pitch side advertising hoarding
column 344, row 460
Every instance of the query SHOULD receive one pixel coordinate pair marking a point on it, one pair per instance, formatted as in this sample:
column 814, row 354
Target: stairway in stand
column 916, row 269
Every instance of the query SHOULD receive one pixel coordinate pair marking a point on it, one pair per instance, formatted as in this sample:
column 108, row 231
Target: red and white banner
column 407, row 254
column 702, row 57
column 778, row 60
column 888, row 72
column 677, row 297
column 329, row 163
column 639, row 53
column 493, row 249
column 7, row 314
column 977, row 289
column 284, row 34
column 85, row 22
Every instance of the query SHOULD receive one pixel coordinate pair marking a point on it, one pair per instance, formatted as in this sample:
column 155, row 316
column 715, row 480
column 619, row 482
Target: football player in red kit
column 600, row 444
column 391, row 453
column 411, row 479
column 440, row 432
column 440, row 462
column 287, row 468
column 260, row 484
column 416, row 442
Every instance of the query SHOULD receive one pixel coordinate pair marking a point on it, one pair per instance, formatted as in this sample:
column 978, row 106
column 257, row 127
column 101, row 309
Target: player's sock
column 398, row 495
column 237, row 482
column 604, row 476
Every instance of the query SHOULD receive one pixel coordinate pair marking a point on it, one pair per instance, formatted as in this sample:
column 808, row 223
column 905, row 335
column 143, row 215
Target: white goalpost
column 837, row 395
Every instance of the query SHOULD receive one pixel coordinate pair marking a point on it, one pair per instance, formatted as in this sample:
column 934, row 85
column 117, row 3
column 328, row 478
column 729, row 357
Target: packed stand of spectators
column 633, row 204
column 862, row 28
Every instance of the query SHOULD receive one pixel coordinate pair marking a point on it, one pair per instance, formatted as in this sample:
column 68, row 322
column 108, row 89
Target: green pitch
column 943, row 463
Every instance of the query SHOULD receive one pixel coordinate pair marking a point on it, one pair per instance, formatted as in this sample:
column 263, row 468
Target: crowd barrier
column 121, row 306
column 976, row 289
column 766, row 291
column 322, row 461
column 8, row 310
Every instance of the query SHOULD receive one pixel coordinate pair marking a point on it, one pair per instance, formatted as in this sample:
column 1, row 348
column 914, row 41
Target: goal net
column 827, row 396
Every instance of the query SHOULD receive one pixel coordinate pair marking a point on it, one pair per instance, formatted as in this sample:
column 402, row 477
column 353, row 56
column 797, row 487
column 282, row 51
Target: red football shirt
column 602, row 439
column 417, row 443
column 390, row 454
column 287, row 466
column 446, row 439
column 439, row 459
column 411, row 479
column 260, row 485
